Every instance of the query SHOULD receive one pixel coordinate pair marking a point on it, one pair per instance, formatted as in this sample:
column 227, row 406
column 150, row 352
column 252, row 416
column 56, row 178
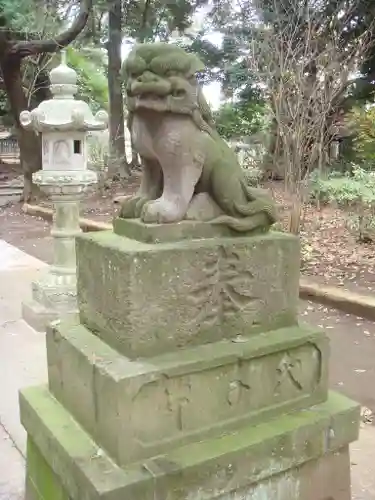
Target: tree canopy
column 258, row 91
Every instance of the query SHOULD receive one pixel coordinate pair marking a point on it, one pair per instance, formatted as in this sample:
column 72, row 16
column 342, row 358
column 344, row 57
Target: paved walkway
column 23, row 363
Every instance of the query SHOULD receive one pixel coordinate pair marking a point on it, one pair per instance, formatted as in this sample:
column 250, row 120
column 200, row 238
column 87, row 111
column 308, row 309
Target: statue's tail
column 257, row 213
column 258, row 222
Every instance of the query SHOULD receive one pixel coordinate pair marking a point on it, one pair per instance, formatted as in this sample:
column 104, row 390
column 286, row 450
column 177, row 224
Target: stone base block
column 53, row 297
column 146, row 299
column 298, row 456
column 38, row 316
column 56, row 292
column 164, row 233
column 137, row 409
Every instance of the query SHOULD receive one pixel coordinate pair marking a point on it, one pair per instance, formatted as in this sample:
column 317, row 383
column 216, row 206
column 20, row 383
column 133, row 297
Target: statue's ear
column 133, row 65
column 196, row 64
column 205, row 109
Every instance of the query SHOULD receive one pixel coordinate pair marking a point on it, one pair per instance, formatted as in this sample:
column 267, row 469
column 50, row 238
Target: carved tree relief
column 224, row 289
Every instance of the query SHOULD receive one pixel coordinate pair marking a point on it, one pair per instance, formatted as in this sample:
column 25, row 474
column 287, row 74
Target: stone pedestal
column 55, row 294
column 187, row 376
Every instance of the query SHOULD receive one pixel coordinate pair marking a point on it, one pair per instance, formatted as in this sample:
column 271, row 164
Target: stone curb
column 86, row 225
column 349, row 302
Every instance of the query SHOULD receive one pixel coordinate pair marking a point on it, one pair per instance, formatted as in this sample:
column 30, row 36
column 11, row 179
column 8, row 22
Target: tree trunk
column 41, row 89
column 117, row 161
column 28, row 141
column 12, row 52
column 274, row 167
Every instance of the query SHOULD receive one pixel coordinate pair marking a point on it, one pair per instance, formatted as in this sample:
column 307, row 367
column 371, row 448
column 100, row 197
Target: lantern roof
column 63, row 113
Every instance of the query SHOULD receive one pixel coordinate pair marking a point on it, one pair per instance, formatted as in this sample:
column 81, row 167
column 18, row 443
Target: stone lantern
column 63, row 123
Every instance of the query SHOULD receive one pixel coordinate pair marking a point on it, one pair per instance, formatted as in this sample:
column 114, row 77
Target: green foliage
column 210, row 55
column 98, row 151
column 6, row 118
column 363, row 123
column 355, row 193
column 362, row 18
column 146, row 21
column 92, row 81
column 343, row 190
column 240, row 119
column 253, row 174
column 237, row 25
column 32, row 18
column 19, row 14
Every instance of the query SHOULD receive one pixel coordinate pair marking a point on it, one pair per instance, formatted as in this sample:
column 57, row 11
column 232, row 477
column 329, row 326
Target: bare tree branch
column 21, row 49
column 306, row 60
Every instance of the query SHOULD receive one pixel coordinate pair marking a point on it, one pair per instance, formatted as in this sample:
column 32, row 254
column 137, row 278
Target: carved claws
column 161, row 211
column 132, row 206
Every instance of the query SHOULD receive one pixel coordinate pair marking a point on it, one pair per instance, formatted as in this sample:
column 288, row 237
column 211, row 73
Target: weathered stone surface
column 192, row 394
column 181, row 153
column 167, row 233
column 147, row 299
column 41, row 481
column 186, row 375
column 299, row 456
column 327, row 478
column 37, row 316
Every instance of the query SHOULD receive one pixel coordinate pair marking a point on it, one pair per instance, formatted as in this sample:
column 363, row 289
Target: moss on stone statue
column 146, row 299
column 182, row 154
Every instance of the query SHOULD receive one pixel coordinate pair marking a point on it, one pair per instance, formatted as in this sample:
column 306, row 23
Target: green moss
column 41, row 478
column 268, row 451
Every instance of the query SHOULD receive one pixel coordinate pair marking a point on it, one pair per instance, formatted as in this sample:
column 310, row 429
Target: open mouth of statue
column 150, row 96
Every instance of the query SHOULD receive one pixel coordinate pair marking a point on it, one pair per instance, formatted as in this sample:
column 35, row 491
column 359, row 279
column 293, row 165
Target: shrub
column 355, row 193
column 363, row 123
column 252, row 165
column 254, row 175
column 97, row 156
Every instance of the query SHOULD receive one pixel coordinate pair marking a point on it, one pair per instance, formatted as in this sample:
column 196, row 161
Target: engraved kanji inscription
column 224, row 290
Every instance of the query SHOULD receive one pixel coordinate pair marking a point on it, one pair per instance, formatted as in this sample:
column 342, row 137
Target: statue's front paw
column 139, row 205
column 131, row 206
column 127, row 207
column 151, row 212
column 160, row 211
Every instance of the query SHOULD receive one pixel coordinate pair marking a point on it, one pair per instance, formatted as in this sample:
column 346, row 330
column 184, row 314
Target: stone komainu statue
column 185, row 162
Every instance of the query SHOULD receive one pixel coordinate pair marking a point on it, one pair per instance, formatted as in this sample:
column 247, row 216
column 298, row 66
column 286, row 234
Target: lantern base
column 53, row 297
column 37, row 316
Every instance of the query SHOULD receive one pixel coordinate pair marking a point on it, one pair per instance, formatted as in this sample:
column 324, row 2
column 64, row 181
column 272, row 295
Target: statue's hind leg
column 180, row 175
column 150, row 189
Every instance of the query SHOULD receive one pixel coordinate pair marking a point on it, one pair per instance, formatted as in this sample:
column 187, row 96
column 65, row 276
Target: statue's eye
column 179, row 93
